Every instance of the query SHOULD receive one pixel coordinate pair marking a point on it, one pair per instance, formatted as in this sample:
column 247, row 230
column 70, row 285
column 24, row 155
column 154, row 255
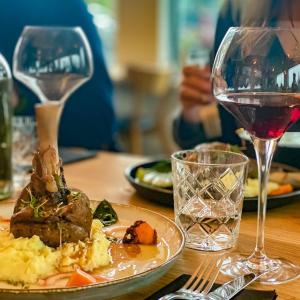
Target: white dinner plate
column 131, row 274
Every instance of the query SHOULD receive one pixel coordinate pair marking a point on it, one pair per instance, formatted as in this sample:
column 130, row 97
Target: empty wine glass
column 255, row 78
column 53, row 61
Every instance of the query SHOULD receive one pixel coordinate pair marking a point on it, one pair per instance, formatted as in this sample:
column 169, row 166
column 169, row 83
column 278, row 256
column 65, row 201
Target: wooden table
column 103, row 177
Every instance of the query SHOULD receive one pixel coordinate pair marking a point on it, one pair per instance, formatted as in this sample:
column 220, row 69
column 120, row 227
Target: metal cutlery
column 197, row 287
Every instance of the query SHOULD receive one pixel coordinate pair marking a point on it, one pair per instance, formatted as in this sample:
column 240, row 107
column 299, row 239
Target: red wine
column 263, row 115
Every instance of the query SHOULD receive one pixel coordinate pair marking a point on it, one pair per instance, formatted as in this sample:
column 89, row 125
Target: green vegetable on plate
column 159, row 175
column 105, row 213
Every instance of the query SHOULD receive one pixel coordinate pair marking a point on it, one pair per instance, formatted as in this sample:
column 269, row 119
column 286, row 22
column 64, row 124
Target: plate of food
column 57, row 243
column 153, row 181
column 117, row 258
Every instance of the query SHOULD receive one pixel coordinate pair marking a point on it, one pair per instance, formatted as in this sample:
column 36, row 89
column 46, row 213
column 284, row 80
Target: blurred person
column 196, row 89
column 88, row 118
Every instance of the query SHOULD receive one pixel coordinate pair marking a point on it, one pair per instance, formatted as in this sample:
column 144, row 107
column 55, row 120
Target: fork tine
column 200, row 274
column 192, row 278
column 213, row 277
column 207, row 273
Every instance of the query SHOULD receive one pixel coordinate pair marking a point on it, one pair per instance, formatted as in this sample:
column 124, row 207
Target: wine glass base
column 278, row 271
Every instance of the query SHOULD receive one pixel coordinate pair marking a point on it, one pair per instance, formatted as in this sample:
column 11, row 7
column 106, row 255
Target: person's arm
column 196, row 91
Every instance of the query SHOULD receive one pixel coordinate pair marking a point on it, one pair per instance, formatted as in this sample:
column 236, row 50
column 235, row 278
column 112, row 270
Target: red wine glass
column 256, row 77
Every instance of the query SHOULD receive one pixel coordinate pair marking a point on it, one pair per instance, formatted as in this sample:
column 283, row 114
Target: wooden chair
column 149, row 81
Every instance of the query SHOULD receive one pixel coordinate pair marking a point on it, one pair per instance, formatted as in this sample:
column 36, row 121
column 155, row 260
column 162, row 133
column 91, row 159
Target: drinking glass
column 208, row 197
column 24, row 143
column 207, row 114
column 256, row 78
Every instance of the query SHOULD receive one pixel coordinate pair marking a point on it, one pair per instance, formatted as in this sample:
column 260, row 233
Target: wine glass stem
column 264, row 150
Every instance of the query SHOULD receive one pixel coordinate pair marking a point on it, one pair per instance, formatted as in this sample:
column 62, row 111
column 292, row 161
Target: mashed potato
column 252, row 187
column 88, row 256
column 25, row 260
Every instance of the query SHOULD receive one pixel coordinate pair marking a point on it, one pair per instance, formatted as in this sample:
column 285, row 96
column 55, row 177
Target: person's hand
column 195, row 91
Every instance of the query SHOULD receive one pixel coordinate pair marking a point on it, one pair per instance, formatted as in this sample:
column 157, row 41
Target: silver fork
column 195, row 288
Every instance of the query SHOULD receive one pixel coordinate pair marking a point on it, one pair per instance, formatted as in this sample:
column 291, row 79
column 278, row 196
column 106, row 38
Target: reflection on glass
column 53, row 61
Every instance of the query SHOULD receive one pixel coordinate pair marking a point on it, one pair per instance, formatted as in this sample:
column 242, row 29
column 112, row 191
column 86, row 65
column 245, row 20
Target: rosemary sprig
column 33, row 203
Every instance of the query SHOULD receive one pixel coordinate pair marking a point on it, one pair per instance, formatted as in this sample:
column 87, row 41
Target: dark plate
column 160, row 195
column 165, row 196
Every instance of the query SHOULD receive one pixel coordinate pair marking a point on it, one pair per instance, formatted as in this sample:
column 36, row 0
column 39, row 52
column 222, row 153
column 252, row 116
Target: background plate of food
column 127, row 260
column 153, row 181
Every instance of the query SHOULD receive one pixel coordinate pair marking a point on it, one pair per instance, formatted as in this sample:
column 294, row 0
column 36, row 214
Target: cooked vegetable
column 51, row 280
column 159, row 175
column 282, row 189
column 252, row 187
column 282, row 177
column 80, row 278
column 105, row 213
column 100, row 278
column 140, row 233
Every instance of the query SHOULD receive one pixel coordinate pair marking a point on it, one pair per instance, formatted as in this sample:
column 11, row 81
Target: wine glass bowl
column 53, row 61
column 256, row 77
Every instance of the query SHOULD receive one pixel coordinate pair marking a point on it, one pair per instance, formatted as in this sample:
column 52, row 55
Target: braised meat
column 47, row 207
column 56, row 217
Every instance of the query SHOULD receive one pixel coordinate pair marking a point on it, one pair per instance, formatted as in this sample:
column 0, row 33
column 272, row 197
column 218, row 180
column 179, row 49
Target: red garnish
column 140, row 233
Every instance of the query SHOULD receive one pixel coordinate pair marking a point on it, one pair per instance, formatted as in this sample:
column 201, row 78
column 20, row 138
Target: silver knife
column 231, row 288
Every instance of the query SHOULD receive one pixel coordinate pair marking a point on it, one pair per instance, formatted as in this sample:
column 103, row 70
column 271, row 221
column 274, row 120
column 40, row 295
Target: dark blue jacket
column 88, row 118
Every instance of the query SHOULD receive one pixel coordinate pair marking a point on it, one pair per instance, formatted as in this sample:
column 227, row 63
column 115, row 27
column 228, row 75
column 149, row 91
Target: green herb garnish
column 163, row 166
column 33, row 203
column 58, row 181
column 105, row 213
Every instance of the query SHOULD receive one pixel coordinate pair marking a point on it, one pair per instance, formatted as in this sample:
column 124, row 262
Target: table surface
column 103, row 177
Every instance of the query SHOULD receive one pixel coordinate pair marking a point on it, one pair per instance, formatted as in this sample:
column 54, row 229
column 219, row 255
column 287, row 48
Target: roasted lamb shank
column 47, row 207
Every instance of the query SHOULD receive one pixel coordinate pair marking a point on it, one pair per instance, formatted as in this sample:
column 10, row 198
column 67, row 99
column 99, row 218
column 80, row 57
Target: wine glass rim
column 51, row 27
column 262, row 28
column 244, row 158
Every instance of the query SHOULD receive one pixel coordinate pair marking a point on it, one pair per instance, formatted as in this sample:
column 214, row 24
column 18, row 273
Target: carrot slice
column 145, row 233
column 283, row 189
column 80, row 278
column 140, row 233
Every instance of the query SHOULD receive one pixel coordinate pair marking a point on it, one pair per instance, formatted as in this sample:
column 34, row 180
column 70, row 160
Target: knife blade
column 231, row 288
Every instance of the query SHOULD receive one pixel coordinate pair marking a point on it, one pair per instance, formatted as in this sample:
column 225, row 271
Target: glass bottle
column 5, row 130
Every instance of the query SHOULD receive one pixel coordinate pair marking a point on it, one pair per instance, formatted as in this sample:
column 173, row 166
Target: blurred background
column 146, row 43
